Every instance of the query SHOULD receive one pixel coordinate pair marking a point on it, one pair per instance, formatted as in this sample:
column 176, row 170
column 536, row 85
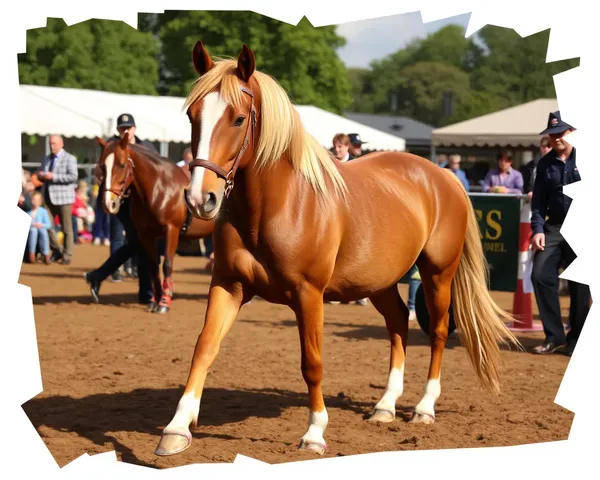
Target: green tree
column 421, row 89
column 448, row 45
column 360, row 90
column 303, row 59
column 96, row 54
column 515, row 69
column 443, row 57
column 508, row 70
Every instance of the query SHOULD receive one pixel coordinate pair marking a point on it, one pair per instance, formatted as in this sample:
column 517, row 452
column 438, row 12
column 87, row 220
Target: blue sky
column 368, row 40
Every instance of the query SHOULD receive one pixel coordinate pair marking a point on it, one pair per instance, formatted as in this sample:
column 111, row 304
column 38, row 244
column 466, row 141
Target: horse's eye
column 239, row 121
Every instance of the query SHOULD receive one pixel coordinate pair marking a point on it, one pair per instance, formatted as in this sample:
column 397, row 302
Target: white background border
column 573, row 23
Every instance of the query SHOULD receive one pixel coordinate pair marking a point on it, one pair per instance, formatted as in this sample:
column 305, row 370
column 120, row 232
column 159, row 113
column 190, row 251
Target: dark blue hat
column 556, row 124
column 125, row 120
column 355, row 139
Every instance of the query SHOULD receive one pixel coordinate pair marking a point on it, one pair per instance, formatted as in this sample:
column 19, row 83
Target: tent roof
column 518, row 126
column 89, row 113
column 410, row 129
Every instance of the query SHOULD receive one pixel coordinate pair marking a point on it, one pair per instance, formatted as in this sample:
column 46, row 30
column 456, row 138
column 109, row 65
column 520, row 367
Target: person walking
column 549, row 207
column 122, row 251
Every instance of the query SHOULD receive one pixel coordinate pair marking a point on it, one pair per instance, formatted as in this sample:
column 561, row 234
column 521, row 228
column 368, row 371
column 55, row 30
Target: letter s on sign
column 496, row 228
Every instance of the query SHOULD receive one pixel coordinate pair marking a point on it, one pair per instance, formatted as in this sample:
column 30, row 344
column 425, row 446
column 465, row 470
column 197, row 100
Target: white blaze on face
column 213, row 109
column 108, row 162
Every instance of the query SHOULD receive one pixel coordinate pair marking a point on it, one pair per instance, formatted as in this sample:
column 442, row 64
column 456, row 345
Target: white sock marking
column 212, row 111
column 432, row 393
column 395, row 387
column 187, row 411
column 317, row 423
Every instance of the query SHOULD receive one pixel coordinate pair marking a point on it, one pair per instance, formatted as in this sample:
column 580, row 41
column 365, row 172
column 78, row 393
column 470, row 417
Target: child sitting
column 38, row 232
column 83, row 213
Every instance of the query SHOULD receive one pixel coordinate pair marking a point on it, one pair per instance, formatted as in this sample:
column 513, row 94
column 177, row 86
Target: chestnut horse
column 158, row 208
column 299, row 228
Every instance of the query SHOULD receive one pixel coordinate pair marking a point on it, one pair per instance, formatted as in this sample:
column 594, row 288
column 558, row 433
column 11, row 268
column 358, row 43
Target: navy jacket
column 548, row 199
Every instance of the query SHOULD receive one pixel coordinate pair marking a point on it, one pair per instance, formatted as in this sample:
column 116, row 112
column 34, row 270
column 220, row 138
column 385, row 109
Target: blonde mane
column 281, row 130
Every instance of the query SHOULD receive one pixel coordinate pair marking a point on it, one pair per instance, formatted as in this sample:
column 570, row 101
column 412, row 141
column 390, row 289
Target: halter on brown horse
column 299, row 227
column 158, row 208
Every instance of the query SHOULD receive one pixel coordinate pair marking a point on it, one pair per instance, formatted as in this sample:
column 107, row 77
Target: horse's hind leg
column 437, row 287
column 395, row 312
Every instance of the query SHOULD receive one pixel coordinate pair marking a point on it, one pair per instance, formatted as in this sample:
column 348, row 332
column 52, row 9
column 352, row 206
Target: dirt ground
column 113, row 374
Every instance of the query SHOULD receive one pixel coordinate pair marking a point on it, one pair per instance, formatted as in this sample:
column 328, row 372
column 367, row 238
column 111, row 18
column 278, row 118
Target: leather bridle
column 125, row 185
column 228, row 176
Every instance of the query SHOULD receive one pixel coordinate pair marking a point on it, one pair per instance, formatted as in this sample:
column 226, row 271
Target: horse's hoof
column 319, row 448
column 161, row 309
column 425, row 418
column 173, row 443
column 382, row 416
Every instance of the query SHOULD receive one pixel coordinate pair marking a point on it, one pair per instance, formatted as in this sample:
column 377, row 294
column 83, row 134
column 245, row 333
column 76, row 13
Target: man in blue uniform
column 549, row 207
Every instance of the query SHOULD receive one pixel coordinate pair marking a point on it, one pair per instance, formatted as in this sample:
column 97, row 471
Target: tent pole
column 433, row 153
column 164, row 149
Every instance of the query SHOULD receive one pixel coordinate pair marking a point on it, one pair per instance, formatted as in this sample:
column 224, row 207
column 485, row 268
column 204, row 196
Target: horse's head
column 117, row 171
column 222, row 110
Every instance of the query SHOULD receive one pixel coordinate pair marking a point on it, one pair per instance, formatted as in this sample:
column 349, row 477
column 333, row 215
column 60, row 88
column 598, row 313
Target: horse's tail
column 479, row 321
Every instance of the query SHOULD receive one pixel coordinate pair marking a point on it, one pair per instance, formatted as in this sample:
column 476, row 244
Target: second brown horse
column 158, row 207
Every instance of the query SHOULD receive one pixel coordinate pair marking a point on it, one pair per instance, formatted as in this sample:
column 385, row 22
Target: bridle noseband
column 228, row 176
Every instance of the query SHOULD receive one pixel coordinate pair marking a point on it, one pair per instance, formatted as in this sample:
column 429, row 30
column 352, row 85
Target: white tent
column 90, row 113
column 518, row 126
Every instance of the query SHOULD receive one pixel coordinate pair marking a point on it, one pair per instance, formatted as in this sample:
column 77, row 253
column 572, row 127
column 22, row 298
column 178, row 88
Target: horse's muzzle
column 205, row 210
column 111, row 204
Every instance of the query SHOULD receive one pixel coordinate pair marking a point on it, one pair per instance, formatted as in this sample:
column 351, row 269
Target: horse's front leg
column 309, row 315
column 171, row 241
column 224, row 303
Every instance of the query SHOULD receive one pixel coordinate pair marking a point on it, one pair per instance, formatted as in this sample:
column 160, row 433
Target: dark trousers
column 118, row 237
column 545, row 283
column 117, row 231
column 123, row 251
column 101, row 228
column 209, row 245
column 75, row 229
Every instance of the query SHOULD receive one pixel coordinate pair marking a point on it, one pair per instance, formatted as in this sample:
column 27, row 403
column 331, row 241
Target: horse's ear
column 246, row 64
column 101, row 142
column 124, row 140
column 201, row 58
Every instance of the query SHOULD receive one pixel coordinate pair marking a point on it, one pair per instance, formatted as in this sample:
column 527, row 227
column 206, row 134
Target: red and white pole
column 522, row 301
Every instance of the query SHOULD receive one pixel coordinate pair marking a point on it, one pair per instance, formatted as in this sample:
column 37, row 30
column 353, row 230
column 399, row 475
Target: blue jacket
column 41, row 216
column 548, row 199
column 462, row 176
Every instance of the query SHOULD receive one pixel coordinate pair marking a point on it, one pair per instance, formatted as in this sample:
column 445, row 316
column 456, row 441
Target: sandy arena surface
column 113, row 374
